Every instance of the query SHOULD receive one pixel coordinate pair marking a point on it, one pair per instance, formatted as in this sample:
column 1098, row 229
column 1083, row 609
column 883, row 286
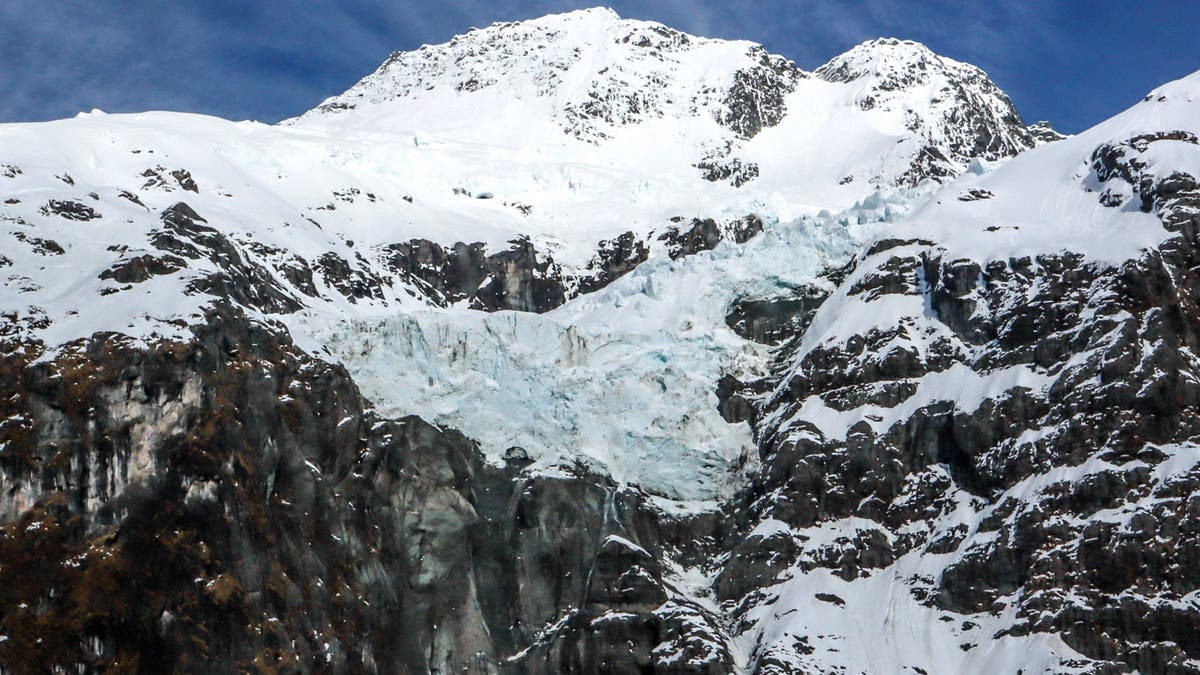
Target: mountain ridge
column 596, row 102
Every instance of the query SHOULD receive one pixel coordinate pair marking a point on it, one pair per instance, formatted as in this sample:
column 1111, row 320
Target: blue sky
column 1072, row 62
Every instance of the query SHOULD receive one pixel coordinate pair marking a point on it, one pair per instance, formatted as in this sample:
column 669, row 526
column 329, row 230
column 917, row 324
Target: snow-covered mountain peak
column 954, row 107
column 884, row 58
column 600, row 91
column 589, row 72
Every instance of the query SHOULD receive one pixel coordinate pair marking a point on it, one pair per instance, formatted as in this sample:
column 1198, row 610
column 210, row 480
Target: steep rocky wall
column 225, row 504
column 1062, row 501
column 230, row 504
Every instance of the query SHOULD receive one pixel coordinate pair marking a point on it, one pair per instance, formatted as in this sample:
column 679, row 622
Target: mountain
column 582, row 344
column 989, row 427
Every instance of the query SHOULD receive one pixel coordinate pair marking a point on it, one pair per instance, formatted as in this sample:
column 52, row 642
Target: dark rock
column 756, row 99
column 882, row 394
column 517, row 455
column 732, row 400
column 139, row 269
column 355, row 282
column 614, row 259
column 39, row 245
column 831, row 598
column 186, row 235
column 727, row 169
column 515, row 279
column 744, row 229
column 185, row 181
column 975, row 194
column 70, row 210
column 703, row 235
column 125, row 194
column 772, row 320
column 520, row 281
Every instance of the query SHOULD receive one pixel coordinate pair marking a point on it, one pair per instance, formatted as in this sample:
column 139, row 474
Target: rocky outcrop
column 521, row 278
column 755, row 101
column 1042, row 133
column 354, row 282
column 723, row 168
column 519, row 281
column 515, row 279
column 70, row 210
column 775, row 319
column 137, row 269
column 230, row 503
column 623, row 614
column 185, row 234
column 704, row 234
column 614, row 259
column 1076, row 476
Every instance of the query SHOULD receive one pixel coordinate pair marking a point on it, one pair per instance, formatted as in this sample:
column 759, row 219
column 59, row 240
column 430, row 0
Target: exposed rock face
column 1043, row 133
column 514, row 279
column 624, row 614
column 523, row 279
column 174, row 502
column 1053, row 502
column 614, row 259
column 705, row 234
column 69, row 209
column 756, row 99
column 773, row 320
column 721, row 167
column 140, row 268
column 230, row 504
column 185, row 234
